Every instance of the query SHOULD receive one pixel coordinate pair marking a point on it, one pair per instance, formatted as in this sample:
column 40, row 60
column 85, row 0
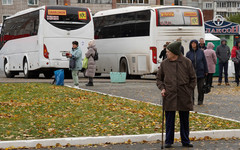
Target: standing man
column 176, row 79
column 223, row 54
column 201, row 44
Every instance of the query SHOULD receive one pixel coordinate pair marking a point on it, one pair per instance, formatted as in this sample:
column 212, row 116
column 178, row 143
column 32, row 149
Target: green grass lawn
column 36, row 111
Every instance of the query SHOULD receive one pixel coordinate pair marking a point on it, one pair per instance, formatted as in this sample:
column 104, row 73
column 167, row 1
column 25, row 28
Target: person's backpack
column 95, row 56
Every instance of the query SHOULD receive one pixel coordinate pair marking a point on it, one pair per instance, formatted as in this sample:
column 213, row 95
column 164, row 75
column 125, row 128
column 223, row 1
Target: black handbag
column 206, row 88
column 72, row 63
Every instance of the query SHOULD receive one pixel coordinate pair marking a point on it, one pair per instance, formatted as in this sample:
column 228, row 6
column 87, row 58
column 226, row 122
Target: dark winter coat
column 163, row 54
column 223, row 52
column 90, row 72
column 198, row 60
column 202, row 47
column 178, row 78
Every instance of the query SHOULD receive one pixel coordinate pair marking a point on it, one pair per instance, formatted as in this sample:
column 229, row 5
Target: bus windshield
column 67, row 18
column 179, row 17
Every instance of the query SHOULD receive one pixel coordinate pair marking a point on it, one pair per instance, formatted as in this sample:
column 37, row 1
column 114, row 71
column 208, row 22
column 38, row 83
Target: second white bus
column 130, row 39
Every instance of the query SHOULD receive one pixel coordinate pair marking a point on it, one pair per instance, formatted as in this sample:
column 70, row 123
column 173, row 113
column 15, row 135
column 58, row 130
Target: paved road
column 222, row 101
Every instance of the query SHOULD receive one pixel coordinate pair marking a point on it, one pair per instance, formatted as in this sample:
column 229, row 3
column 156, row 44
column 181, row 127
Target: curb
column 214, row 134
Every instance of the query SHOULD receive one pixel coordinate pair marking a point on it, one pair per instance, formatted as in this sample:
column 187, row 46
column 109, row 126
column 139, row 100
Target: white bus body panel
column 135, row 50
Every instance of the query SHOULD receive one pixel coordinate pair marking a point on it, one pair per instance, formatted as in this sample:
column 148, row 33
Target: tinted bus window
column 179, row 17
column 20, row 27
column 122, row 25
column 67, row 18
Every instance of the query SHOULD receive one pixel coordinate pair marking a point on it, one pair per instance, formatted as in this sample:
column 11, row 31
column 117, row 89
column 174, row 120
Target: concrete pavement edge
column 214, row 134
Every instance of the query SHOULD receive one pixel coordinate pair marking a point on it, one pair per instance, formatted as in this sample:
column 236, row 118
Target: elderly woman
column 90, row 72
column 211, row 62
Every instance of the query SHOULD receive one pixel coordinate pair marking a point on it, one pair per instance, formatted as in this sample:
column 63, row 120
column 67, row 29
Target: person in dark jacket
column 236, row 59
column 201, row 44
column 163, row 52
column 199, row 62
column 176, row 79
column 223, row 55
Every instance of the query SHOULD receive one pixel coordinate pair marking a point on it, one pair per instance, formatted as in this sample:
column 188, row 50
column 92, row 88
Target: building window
column 7, row 2
column 133, row 1
column 229, row 4
column 53, row 2
column 234, row 4
column 161, row 2
column 33, row 2
column 208, row 6
column 95, row 1
column 83, row 1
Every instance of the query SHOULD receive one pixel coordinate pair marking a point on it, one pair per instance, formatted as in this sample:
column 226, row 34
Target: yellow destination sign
column 190, row 14
column 167, row 14
column 57, row 12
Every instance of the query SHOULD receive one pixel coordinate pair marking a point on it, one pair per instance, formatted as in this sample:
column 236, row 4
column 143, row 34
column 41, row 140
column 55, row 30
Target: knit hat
column 174, row 48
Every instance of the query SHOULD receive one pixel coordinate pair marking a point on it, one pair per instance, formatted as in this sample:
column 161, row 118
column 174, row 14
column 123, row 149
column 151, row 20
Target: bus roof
column 25, row 11
column 33, row 9
column 133, row 9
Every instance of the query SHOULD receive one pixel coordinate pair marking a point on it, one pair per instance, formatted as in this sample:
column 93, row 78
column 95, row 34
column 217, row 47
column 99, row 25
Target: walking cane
column 162, row 122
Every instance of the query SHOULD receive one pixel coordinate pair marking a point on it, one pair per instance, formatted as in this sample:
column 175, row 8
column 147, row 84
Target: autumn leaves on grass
column 36, row 111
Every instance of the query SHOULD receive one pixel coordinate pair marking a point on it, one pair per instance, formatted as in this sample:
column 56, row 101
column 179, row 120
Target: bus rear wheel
column 7, row 72
column 124, row 66
column 26, row 72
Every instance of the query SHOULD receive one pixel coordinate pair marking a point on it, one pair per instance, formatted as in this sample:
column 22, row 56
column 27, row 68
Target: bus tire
column 8, row 73
column 48, row 74
column 124, row 66
column 26, row 72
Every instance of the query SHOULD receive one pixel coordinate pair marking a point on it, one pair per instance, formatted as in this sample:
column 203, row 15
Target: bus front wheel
column 7, row 72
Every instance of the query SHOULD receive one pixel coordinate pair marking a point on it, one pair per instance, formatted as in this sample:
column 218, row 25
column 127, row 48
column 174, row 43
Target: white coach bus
column 36, row 40
column 130, row 39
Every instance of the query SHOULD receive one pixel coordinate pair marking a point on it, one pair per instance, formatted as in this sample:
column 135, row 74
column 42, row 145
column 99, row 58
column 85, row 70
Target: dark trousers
column 221, row 67
column 237, row 69
column 184, row 126
column 200, row 84
column 209, row 79
column 90, row 80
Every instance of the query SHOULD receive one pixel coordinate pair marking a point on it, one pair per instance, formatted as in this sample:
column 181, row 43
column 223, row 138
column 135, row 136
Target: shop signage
column 219, row 26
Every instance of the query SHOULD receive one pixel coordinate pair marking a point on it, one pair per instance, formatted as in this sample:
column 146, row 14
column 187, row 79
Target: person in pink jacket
column 211, row 62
